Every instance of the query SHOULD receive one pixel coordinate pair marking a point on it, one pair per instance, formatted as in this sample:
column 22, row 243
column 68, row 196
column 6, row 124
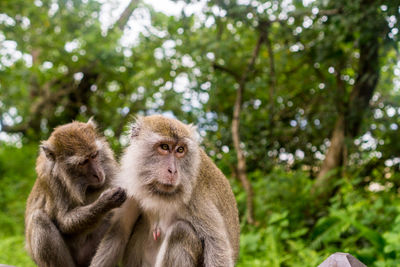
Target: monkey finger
column 119, row 196
column 114, row 197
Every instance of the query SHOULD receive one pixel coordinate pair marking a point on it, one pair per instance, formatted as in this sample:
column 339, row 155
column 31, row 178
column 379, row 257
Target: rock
column 340, row 259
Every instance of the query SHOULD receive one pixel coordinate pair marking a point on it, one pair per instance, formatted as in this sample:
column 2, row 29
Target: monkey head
column 77, row 155
column 161, row 161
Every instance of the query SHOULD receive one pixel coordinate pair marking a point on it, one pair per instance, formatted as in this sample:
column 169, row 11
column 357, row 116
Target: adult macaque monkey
column 188, row 211
column 68, row 209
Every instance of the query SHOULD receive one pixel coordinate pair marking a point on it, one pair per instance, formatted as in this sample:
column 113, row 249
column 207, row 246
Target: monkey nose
column 97, row 177
column 172, row 170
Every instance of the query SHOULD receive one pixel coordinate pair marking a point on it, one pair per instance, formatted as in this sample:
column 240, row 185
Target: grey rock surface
column 340, row 259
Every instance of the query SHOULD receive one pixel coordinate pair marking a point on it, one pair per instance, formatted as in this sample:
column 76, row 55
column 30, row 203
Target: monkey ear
column 48, row 151
column 135, row 129
column 136, row 126
column 92, row 122
column 195, row 134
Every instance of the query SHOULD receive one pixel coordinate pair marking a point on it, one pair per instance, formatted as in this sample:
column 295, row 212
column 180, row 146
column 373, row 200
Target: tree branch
column 123, row 19
column 216, row 66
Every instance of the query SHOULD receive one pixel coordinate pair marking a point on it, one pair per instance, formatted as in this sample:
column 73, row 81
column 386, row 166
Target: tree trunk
column 333, row 159
column 349, row 122
column 241, row 161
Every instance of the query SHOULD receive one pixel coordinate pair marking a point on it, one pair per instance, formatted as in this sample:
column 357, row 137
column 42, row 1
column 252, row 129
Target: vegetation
column 298, row 102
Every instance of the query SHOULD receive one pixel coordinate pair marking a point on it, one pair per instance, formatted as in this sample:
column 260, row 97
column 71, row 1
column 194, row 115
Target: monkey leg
column 135, row 253
column 181, row 247
column 47, row 246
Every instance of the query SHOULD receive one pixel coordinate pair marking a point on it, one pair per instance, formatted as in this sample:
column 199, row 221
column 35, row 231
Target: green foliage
column 280, row 237
column 17, row 176
column 68, row 67
column 13, row 252
column 357, row 221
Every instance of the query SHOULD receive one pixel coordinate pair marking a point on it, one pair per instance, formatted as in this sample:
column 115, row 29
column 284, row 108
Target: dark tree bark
column 333, row 159
column 350, row 117
column 81, row 94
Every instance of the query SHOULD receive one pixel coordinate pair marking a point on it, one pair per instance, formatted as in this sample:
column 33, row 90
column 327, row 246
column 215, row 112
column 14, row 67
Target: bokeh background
column 297, row 102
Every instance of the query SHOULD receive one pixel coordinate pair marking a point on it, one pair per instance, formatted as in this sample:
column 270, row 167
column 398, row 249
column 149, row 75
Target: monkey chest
column 155, row 236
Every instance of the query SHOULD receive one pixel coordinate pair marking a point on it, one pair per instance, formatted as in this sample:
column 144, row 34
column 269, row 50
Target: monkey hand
column 113, row 197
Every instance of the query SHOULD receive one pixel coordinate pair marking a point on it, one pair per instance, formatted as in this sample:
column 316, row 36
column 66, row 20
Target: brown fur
column 199, row 222
column 74, row 138
column 162, row 126
column 67, row 212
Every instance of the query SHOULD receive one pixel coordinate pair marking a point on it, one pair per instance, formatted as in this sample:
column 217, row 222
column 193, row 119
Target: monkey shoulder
column 213, row 182
column 209, row 173
column 40, row 197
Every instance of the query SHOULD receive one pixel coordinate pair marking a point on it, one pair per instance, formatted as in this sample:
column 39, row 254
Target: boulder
column 340, row 259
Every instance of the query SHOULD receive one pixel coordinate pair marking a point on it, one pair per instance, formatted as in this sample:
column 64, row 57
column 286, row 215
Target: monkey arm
column 79, row 219
column 181, row 247
column 85, row 217
column 217, row 250
column 112, row 247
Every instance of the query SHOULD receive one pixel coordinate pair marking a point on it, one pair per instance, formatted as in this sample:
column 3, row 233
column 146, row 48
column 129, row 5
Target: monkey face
column 79, row 153
column 86, row 170
column 167, row 173
column 161, row 162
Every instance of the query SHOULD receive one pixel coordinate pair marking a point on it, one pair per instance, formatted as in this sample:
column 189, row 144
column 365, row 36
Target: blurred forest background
column 298, row 103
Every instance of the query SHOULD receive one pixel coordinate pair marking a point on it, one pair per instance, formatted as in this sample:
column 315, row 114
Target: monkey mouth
column 97, row 184
column 165, row 190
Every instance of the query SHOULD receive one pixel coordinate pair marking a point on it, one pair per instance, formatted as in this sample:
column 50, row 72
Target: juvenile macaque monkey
column 68, row 209
column 188, row 215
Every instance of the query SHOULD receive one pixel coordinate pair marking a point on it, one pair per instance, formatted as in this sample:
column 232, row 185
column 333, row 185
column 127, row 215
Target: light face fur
column 68, row 209
column 188, row 212
column 153, row 170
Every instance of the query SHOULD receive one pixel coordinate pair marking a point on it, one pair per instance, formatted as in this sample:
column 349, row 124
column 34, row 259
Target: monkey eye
column 164, row 147
column 180, row 149
column 93, row 156
column 84, row 162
